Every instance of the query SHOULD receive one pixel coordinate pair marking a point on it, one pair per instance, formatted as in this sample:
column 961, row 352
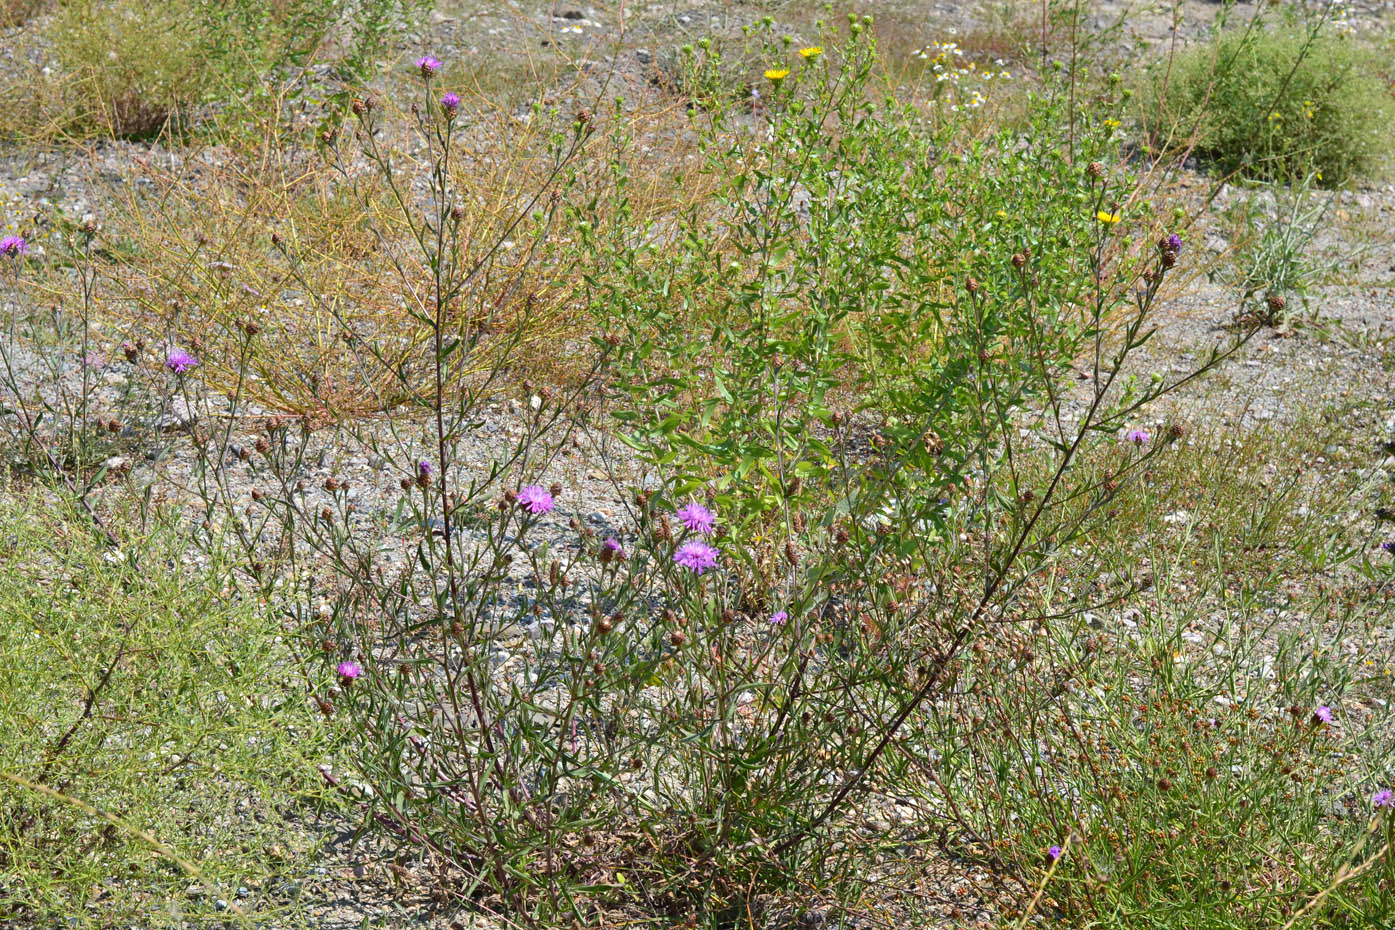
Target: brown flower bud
column 971, row 285
column 1276, row 303
column 678, row 638
column 250, row 327
column 113, row 426
column 1018, row 260
column 791, row 554
column 1095, row 170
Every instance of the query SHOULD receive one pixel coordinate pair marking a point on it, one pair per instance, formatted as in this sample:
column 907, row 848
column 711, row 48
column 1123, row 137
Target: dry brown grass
column 18, row 12
column 338, row 282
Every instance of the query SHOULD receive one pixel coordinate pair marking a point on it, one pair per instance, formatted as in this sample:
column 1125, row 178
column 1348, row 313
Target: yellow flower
column 1112, row 123
column 813, row 51
column 1104, row 217
column 777, row 74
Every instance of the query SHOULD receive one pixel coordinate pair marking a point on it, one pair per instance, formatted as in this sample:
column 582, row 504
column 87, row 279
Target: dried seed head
column 1018, row 260
column 971, row 285
column 261, row 445
column 791, row 554
column 678, row 638
column 1095, row 170
column 1276, row 303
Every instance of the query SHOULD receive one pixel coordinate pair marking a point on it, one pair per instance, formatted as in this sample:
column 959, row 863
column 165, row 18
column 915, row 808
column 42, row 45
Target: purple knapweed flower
column 1174, row 243
column 778, row 617
column 1138, row 437
column 1389, row 546
column 423, row 469
column 450, row 102
column 1383, row 798
column 1323, row 714
column 428, row 66
column 535, row 498
column 696, row 556
column 13, row 246
column 350, row 670
column 613, row 546
column 697, row 518
column 1053, row 854
column 180, row 362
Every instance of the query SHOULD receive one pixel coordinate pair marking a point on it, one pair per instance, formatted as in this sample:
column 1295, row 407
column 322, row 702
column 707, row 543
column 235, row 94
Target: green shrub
column 1273, row 106
column 131, row 69
column 149, row 700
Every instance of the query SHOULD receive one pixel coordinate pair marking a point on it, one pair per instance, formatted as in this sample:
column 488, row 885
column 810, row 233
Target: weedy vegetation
column 910, row 562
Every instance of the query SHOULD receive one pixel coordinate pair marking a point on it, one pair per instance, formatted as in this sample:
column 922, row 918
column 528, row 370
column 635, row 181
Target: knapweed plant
column 821, row 374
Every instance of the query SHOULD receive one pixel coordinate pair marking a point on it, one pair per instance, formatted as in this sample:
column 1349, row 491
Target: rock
column 178, row 417
column 878, row 824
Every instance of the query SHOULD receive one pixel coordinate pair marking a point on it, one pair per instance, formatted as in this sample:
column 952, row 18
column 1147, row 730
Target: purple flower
column 535, row 498
column 428, row 66
column 1053, row 854
column 779, row 617
column 1174, row 243
column 450, row 102
column 1383, row 798
column 180, row 362
column 13, row 246
column 423, row 469
column 697, row 518
column 1323, row 714
column 350, row 670
column 696, row 556
column 1389, row 546
column 613, row 546
column 1138, row 437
